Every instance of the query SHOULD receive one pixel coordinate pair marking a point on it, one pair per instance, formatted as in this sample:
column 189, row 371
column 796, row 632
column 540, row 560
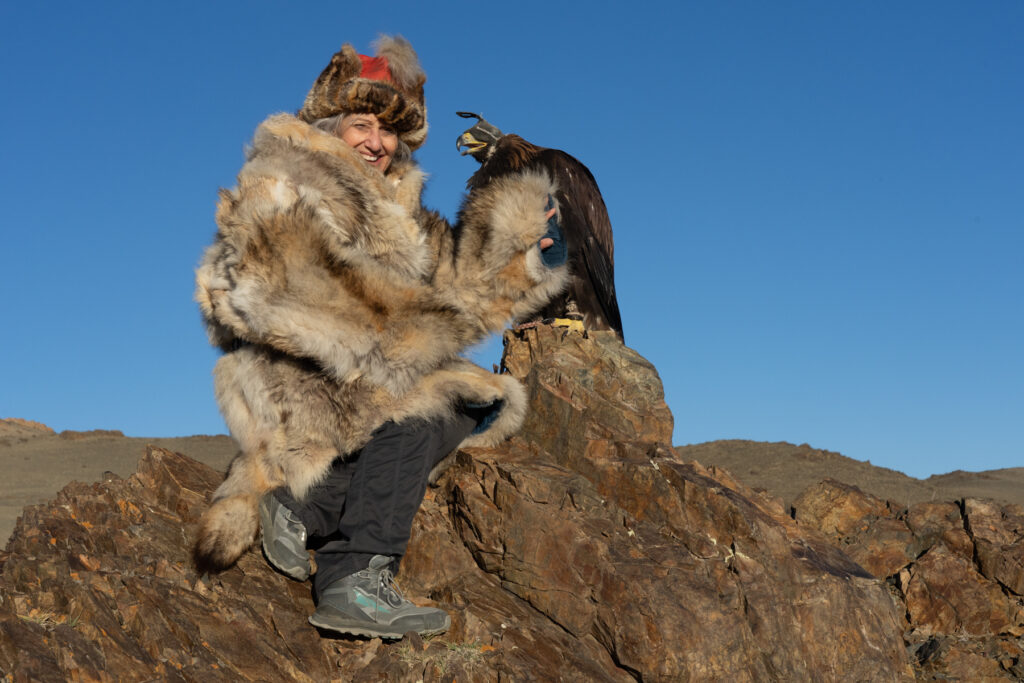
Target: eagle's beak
column 471, row 144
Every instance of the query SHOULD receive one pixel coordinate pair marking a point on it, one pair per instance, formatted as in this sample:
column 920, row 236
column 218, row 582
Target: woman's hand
column 546, row 242
column 552, row 245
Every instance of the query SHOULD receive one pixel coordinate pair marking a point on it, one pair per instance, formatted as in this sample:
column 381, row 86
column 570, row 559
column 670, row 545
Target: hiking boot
column 284, row 539
column 368, row 603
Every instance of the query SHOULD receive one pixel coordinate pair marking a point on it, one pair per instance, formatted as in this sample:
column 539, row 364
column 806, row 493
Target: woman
column 341, row 304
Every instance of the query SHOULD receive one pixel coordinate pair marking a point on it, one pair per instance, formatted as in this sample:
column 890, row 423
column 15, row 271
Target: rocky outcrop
column 583, row 549
column 957, row 568
column 14, row 429
column 72, row 435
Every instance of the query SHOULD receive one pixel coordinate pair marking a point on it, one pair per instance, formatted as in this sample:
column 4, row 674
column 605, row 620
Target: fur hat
column 389, row 85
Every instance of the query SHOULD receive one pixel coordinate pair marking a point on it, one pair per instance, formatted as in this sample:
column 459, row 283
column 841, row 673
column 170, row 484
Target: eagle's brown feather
column 584, row 221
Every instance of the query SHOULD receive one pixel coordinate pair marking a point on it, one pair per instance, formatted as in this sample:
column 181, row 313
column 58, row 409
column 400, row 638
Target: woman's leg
column 287, row 524
column 388, row 480
column 321, row 509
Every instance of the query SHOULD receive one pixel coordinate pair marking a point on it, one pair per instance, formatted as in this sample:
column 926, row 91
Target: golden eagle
column 584, row 219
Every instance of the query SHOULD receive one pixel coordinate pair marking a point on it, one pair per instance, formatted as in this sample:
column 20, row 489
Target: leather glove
column 556, row 254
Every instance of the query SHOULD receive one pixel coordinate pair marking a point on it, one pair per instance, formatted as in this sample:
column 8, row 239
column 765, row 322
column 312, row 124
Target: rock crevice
column 955, row 567
column 583, row 549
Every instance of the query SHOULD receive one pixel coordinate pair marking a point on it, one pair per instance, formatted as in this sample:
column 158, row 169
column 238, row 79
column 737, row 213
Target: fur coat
column 341, row 303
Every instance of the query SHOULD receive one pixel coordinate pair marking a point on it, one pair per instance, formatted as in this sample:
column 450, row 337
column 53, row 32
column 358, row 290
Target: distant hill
column 38, row 461
column 785, row 470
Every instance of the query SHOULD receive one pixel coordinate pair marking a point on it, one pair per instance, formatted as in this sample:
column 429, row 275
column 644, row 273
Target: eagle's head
column 479, row 140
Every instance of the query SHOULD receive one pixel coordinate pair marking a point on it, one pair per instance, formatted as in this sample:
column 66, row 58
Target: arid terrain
column 785, row 471
column 38, row 462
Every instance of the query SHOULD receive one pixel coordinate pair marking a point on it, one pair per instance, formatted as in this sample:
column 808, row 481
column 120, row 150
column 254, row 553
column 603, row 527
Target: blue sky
column 817, row 205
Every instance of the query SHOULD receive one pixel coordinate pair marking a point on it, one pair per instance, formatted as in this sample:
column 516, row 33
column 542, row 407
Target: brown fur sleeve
column 497, row 274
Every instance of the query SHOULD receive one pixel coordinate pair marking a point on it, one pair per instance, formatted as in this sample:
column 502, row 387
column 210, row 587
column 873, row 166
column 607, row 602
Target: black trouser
column 366, row 505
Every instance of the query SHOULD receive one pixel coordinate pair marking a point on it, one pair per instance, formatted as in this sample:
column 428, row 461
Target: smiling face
column 375, row 142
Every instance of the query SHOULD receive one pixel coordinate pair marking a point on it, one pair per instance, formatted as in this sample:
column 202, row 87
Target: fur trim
column 229, row 527
column 227, row 530
column 461, row 381
column 498, row 253
column 403, row 62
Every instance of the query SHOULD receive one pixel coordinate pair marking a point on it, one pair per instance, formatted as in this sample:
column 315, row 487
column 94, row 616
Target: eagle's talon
column 570, row 324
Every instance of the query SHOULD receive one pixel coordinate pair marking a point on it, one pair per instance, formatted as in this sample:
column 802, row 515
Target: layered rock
column 583, row 549
column 958, row 568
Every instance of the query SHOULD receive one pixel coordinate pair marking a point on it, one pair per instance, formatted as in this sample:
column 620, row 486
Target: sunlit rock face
column 583, row 549
column 957, row 568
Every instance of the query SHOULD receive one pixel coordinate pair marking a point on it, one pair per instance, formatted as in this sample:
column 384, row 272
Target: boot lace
column 388, row 590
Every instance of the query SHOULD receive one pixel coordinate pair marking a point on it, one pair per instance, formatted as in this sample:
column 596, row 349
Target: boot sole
column 368, row 631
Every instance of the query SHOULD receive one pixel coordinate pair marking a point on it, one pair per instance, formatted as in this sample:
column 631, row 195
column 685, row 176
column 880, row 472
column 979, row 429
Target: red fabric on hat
column 375, row 68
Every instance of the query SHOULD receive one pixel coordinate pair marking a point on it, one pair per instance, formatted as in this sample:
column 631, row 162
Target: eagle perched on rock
column 590, row 295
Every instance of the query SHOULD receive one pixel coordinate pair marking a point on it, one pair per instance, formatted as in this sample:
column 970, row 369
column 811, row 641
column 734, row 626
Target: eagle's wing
column 588, row 232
